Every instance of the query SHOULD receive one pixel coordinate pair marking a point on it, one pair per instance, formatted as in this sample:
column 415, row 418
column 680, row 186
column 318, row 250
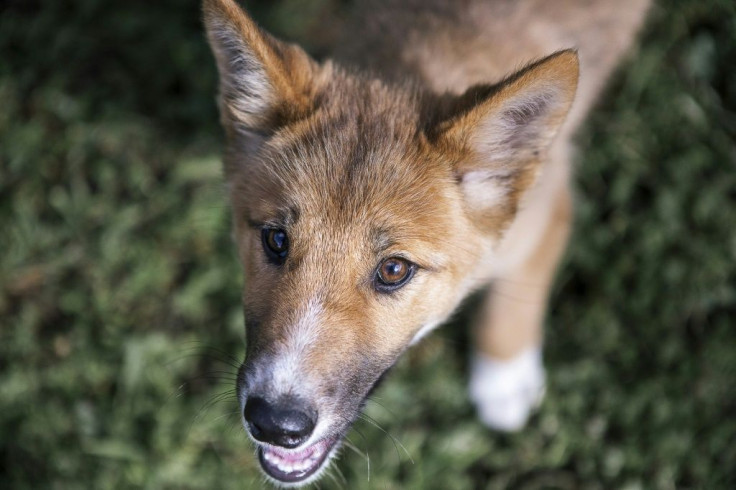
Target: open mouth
column 295, row 466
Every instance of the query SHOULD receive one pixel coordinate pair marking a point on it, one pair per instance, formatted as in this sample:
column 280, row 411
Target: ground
column 120, row 318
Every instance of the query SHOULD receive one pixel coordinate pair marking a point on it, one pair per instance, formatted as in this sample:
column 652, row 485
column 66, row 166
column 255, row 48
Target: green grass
column 119, row 288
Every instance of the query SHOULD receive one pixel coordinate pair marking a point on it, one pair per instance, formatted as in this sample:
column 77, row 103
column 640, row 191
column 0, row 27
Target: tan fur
column 510, row 320
column 453, row 45
column 445, row 147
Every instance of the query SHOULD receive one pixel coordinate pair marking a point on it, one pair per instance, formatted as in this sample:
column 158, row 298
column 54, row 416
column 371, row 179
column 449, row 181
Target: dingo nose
column 281, row 424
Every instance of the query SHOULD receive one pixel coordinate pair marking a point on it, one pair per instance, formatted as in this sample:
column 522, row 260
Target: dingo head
column 362, row 211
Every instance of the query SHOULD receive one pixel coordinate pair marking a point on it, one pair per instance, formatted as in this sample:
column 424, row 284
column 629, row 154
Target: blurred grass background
column 120, row 323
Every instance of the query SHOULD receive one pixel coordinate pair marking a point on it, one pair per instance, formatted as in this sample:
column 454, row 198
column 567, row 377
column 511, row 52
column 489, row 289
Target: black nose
column 285, row 424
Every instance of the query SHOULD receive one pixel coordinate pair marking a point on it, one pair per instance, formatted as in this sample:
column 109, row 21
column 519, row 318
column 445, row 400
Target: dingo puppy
column 371, row 194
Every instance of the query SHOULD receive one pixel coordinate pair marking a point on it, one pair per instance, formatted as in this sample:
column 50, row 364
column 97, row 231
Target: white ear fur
column 484, row 189
column 247, row 93
column 521, row 125
column 246, row 90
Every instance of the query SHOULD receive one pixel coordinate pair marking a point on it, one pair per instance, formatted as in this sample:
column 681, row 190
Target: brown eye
column 393, row 273
column 275, row 244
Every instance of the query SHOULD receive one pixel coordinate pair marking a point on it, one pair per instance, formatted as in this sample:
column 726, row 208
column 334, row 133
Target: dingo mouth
column 295, row 466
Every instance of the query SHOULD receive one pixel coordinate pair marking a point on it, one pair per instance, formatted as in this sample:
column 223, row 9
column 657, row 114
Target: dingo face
column 363, row 213
column 350, row 250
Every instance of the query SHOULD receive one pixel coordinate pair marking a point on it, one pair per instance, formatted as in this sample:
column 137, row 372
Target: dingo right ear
column 505, row 130
column 264, row 82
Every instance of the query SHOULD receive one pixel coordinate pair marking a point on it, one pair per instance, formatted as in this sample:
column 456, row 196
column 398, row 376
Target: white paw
column 506, row 392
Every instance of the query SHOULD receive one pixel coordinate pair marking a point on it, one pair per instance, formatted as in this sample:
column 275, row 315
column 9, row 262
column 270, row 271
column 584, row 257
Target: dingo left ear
column 504, row 131
column 264, row 82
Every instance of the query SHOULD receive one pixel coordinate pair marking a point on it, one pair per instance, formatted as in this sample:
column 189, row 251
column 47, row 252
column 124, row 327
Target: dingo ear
column 505, row 130
column 264, row 82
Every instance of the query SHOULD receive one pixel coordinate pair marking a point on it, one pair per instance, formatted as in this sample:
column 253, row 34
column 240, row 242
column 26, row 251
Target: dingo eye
column 392, row 274
column 275, row 244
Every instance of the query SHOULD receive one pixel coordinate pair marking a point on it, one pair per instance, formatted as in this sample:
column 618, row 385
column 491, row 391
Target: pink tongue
column 290, row 457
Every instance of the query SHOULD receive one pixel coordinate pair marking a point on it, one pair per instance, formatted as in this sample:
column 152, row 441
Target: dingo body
column 372, row 194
